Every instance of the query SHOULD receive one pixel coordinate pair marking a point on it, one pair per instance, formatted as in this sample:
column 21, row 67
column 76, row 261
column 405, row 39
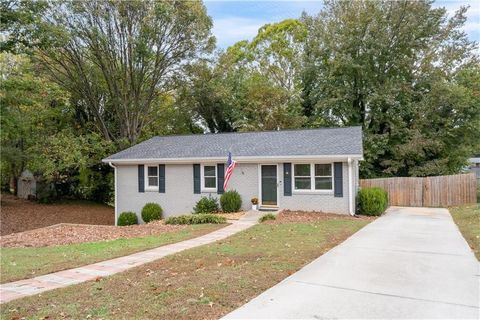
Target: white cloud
column 229, row 30
column 472, row 25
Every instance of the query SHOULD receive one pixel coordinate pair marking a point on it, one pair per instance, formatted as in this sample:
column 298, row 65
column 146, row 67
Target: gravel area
column 63, row 234
column 17, row 215
column 287, row 216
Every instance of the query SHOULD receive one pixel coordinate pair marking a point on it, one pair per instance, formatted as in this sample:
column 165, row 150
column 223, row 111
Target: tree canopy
column 399, row 70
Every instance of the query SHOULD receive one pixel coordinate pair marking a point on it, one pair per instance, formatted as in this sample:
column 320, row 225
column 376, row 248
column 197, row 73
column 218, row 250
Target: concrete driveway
column 410, row 263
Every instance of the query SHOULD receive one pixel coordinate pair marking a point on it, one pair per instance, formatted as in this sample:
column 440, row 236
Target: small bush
column 196, row 219
column 127, row 218
column 231, row 201
column 206, row 205
column 46, row 192
column 151, row 211
column 254, row 200
column 372, row 201
column 266, row 217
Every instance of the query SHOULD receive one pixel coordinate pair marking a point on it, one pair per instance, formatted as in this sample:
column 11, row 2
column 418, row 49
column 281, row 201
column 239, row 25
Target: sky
column 240, row 20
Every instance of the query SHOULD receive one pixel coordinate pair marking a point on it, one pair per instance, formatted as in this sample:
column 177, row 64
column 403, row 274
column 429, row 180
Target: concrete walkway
column 410, row 263
column 29, row 287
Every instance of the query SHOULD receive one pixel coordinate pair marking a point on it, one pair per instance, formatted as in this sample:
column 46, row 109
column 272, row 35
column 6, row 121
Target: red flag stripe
column 228, row 174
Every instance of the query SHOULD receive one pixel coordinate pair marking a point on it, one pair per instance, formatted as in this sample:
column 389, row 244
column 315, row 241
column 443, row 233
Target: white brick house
column 315, row 169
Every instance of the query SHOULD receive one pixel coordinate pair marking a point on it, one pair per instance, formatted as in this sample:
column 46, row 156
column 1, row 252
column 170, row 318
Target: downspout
column 350, row 188
column 115, row 188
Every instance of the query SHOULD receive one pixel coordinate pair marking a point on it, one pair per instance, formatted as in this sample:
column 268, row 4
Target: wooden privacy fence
column 440, row 191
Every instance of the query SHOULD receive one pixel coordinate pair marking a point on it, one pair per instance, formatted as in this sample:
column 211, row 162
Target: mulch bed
column 288, row 216
column 17, row 215
column 233, row 215
column 63, row 234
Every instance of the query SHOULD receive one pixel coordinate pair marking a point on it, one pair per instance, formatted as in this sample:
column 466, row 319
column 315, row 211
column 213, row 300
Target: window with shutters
column 209, row 178
column 151, row 178
column 323, row 176
column 302, row 177
column 313, row 177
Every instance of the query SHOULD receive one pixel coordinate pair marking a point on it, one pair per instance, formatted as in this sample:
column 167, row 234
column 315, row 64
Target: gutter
column 115, row 188
column 239, row 159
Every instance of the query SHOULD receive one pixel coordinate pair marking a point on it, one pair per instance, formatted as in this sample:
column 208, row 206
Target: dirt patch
column 17, row 215
column 63, row 234
column 288, row 216
column 232, row 216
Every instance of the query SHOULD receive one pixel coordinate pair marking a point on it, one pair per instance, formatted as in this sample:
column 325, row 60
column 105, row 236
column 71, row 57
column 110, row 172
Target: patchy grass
column 22, row 263
column 266, row 217
column 468, row 220
column 201, row 283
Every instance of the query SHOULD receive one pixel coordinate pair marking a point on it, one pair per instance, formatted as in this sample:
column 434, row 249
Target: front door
column 269, row 185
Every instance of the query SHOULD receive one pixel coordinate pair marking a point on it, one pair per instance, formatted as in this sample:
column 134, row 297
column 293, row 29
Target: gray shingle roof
column 308, row 142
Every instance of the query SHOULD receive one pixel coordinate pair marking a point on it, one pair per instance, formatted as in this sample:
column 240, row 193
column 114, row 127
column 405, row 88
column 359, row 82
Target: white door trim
column 260, row 183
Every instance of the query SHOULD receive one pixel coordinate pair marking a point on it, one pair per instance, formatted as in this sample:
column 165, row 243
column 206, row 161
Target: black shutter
column 287, row 179
column 220, row 177
column 161, row 178
column 338, row 178
column 196, row 178
column 141, row 178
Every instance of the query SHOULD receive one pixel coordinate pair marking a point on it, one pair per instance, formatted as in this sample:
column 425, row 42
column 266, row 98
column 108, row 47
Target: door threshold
column 268, row 208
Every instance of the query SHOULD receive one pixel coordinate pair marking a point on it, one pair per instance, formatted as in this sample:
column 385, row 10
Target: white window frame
column 202, row 177
column 312, row 179
column 148, row 187
column 295, row 176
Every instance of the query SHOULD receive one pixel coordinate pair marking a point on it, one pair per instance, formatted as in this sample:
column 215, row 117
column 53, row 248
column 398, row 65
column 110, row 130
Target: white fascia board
column 237, row 159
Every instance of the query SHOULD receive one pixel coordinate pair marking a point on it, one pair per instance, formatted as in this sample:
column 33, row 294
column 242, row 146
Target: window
column 323, row 176
column 209, row 177
column 313, row 177
column 302, row 177
column 152, row 176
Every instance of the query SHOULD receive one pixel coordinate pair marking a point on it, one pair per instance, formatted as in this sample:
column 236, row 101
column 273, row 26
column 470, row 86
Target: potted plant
column 254, row 203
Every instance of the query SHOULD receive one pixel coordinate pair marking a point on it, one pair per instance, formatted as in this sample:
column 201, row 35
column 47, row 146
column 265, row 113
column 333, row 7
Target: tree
column 266, row 107
column 22, row 26
column 42, row 133
column 206, row 94
column 395, row 69
column 117, row 58
column 32, row 109
column 251, row 85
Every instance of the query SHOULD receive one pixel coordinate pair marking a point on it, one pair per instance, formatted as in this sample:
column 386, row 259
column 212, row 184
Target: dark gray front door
column 269, row 185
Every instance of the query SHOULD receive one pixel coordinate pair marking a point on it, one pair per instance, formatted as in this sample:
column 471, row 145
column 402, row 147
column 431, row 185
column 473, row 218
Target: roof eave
column 240, row 159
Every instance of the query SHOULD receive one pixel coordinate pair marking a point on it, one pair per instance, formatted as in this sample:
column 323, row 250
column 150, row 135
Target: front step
column 268, row 208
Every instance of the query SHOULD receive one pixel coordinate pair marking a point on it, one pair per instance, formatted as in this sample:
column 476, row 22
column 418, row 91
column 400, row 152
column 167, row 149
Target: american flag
column 228, row 173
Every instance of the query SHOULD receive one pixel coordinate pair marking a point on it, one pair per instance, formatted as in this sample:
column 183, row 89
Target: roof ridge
column 247, row 132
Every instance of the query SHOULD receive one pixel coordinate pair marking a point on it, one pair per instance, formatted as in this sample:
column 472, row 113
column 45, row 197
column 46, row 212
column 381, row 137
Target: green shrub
column 151, row 211
column 266, row 217
column 206, row 205
column 196, row 219
column 127, row 218
column 372, row 201
column 46, row 192
column 231, row 201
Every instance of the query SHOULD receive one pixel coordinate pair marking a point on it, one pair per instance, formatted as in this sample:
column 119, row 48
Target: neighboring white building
column 314, row 169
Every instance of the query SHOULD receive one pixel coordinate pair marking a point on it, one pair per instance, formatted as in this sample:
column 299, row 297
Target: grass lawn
column 201, row 283
column 22, row 263
column 468, row 220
